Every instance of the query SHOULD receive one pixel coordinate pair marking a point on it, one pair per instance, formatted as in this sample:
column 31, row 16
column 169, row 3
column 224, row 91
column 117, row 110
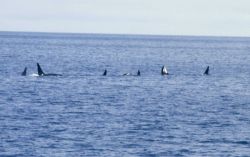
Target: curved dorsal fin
column 164, row 71
column 24, row 72
column 105, row 72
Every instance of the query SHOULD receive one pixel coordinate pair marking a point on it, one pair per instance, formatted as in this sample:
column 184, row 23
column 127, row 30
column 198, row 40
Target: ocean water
column 83, row 113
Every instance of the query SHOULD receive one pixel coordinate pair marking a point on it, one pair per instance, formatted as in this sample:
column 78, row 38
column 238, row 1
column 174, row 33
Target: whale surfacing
column 104, row 73
column 164, row 71
column 138, row 73
column 206, row 71
column 126, row 74
column 24, row 72
column 41, row 73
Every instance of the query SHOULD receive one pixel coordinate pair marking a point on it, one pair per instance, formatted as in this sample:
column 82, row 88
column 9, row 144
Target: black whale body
column 41, row 73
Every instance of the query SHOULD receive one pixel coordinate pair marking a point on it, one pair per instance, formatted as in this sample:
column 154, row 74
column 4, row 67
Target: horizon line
column 128, row 34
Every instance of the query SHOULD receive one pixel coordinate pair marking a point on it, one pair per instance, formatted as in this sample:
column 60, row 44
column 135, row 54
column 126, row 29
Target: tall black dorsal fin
column 206, row 71
column 39, row 70
column 24, row 72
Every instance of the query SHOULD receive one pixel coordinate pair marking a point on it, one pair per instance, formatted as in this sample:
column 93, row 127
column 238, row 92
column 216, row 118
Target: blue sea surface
column 83, row 113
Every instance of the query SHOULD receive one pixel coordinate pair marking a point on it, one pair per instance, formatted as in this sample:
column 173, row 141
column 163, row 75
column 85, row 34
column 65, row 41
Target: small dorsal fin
column 39, row 70
column 138, row 73
column 164, row 71
column 24, row 72
column 206, row 71
column 105, row 72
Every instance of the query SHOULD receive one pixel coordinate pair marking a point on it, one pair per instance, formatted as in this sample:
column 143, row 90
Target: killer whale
column 105, row 73
column 24, row 72
column 41, row 73
column 126, row 74
column 206, row 71
column 164, row 71
column 129, row 74
column 138, row 73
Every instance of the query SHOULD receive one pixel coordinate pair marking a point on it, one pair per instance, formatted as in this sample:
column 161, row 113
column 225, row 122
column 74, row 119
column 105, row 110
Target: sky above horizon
column 161, row 17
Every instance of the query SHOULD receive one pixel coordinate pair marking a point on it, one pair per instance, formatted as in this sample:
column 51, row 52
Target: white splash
column 34, row 75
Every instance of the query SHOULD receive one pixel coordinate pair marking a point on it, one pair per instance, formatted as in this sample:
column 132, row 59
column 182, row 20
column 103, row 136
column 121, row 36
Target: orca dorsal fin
column 105, row 72
column 164, row 71
column 24, row 72
column 39, row 70
column 138, row 73
column 206, row 71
